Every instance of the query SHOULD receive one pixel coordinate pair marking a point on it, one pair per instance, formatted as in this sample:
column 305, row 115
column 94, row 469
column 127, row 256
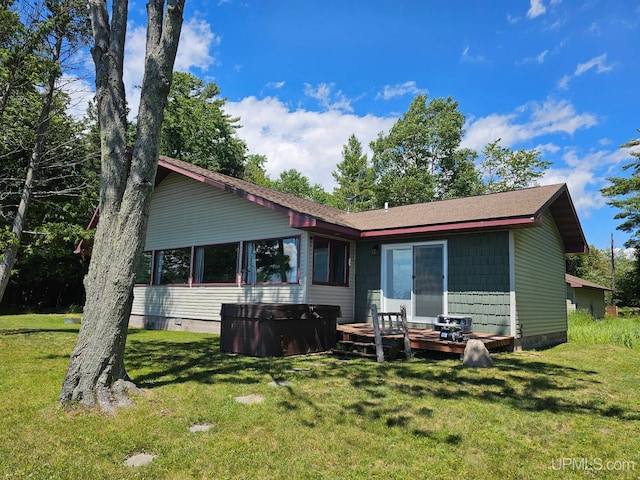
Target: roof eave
column 494, row 224
column 306, row 222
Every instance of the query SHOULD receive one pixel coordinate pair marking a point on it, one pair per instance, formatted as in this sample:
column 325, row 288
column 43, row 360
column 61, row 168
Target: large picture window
column 216, row 264
column 271, row 261
column 330, row 260
column 172, row 266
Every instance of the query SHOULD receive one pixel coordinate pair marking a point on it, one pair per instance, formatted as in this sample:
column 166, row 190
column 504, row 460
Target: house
column 586, row 296
column 498, row 258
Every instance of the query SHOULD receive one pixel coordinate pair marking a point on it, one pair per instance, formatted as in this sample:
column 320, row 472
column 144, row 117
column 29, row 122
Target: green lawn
column 568, row 412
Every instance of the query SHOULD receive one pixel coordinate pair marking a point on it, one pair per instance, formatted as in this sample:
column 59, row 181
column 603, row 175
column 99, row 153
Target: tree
column 624, row 193
column 255, row 172
column 505, row 169
column 96, row 374
column 295, row 183
column 197, row 130
column 46, row 273
column 420, row 160
column 57, row 34
column 354, row 177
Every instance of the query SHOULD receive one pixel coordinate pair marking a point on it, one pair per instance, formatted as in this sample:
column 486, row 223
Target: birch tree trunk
column 96, row 373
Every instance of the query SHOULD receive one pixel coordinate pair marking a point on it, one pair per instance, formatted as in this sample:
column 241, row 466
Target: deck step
column 353, row 343
column 352, row 353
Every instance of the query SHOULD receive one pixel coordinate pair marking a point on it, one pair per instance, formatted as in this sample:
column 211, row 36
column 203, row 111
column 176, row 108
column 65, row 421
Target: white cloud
column 537, row 59
column 529, row 121
column 310, row 142
column 326, row 98
column 536, row 9
column 596, row 62
column 196, row 41
column 80, row 92
column 563, row 84
column 467, row 58
column 400, row 90
column 512, row 20
column 585, row 175
column 541, row 56
column 579, row 181
column 276, row 85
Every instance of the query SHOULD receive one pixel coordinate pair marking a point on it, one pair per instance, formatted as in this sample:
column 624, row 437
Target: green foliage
column 254, row 171
column 197, row 130
column 420, row 159
column 295, row 183
column 619, row 332
column 354, row 177
column 355, row 419
column 595, row 266
column 624, row 193
column 505, row 169
column 35, row 42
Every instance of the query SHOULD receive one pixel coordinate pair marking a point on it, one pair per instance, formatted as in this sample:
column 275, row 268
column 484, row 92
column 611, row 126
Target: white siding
column 204, row 303
column 184, row 213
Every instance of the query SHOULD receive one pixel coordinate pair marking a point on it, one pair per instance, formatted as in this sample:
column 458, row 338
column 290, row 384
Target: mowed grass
column 568, row 412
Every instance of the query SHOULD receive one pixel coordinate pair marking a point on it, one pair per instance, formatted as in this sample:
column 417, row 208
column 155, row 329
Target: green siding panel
column 540, row 280
column 367, row 280
column 478, row 279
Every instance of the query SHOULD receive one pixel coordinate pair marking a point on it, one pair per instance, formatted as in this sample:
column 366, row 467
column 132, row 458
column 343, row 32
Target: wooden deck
column 422, row 338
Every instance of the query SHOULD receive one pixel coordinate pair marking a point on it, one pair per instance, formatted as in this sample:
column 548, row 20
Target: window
column 216, row 264
column 143, row 274
column 271, row 261
column 330, row 259
column 172, row 266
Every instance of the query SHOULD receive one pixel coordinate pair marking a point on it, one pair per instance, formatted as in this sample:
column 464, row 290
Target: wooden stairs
column 391, row 336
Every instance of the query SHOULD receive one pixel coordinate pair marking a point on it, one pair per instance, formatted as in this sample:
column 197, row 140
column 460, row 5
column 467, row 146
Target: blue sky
column 556, row 75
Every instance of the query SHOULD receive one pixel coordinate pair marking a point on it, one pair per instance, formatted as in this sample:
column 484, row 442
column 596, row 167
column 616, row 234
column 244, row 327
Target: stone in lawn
column 201, row 427
column 250, row 399
column 476, row 355
column 279, row 383
column 139, row 460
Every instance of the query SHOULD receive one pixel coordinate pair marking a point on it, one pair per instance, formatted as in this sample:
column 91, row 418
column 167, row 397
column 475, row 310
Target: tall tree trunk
column 11, row 251
column 96, row 373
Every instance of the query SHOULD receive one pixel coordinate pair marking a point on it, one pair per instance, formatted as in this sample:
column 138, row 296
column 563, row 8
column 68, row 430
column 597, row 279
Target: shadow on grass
column 32, row 331
column 520, row 383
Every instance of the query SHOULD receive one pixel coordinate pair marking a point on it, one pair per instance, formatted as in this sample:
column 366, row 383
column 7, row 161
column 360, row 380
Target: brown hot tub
column 277, row 329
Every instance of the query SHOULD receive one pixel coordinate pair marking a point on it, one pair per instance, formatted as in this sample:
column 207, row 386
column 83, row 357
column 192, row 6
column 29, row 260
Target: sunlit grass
column 622, row 332
column 341, row 419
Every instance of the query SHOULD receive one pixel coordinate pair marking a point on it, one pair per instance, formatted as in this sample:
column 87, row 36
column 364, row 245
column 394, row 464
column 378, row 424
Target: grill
column 453, row 327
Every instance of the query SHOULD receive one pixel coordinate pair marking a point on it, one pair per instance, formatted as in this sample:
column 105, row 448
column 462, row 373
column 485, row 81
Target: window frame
column 236, row 266
column 154, row 278
column 244, row 271
column 331, row 275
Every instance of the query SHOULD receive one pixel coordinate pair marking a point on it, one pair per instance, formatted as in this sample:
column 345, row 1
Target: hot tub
column 276, row 329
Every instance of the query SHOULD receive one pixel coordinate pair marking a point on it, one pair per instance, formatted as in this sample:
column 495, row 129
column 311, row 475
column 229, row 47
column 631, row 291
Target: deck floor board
column 423, row 338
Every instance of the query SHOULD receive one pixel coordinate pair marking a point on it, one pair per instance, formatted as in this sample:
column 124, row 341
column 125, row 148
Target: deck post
column 377, row 334
column 405, row 331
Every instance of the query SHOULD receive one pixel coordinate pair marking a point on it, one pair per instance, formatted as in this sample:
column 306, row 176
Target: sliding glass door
column 414, row 275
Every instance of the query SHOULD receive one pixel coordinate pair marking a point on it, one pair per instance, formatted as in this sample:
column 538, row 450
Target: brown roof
column 577, row 282
column 519, row 208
